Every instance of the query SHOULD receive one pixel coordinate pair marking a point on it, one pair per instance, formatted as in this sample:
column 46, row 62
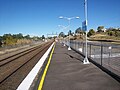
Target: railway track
column 17, row 55
column 12, row 64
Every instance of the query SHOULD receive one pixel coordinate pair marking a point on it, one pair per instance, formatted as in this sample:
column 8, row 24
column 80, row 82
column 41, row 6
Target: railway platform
column 67, row 72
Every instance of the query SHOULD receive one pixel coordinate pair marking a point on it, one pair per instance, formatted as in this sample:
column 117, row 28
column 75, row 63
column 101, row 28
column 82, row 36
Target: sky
column 41, row 17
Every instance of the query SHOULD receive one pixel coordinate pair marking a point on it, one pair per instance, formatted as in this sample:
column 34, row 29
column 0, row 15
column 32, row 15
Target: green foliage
column 9, row 40
column 49, row 37
column 36, row 38
column 79, row 31
column 5, row 36
column 0, row 37
column 117, row 33
column 0, row 41
column 70, row 33
column 43, row 37
column 100, row 28
column 91, row 32
column 62, row 34
column 16, row 39
column 27, row 37
column 113, row 32
column 18, row 36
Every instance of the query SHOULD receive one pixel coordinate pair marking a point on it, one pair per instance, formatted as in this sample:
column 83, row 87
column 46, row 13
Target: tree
column 117, row 33
column 27, row 37
column 1, row 37
column 18, row 36
column 113, row 32
column 62, row 34
column 91, row 32
column 0, row 41
column 10, row 40
column 43, row 37
column 70, row 33
column 100, row 29
column 35, row 38
column 110, row 33
column 79, row 31
column 6, row 35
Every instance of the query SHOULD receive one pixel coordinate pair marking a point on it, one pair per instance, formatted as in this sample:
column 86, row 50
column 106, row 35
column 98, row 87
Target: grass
column 105, row 38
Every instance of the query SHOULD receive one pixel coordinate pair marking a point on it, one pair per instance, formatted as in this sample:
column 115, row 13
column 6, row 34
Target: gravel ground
column 15, row 79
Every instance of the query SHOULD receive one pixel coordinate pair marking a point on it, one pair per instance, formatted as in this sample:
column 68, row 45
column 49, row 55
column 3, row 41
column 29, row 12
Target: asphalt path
column 67, row 72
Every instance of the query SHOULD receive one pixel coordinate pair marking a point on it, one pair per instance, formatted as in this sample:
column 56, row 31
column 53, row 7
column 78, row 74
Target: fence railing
column 107, row 55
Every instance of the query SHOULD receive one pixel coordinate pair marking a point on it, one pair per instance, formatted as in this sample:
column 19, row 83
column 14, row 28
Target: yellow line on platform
column 45, row 71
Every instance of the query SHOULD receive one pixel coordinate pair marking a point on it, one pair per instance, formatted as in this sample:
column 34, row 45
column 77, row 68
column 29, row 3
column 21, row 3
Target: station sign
column 84, row 25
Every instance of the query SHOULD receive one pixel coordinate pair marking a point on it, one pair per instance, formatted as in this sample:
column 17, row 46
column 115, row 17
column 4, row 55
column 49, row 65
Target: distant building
column 104, row 29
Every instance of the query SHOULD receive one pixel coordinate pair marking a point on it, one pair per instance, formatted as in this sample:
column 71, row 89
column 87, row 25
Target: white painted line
column 26, row 83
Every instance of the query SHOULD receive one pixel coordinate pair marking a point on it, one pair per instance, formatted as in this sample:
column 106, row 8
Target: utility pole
column 86, row 61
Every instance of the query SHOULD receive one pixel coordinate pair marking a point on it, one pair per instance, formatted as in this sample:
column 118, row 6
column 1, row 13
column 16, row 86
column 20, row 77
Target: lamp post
column 86, row 61
column 63, row 28
column 69, row 19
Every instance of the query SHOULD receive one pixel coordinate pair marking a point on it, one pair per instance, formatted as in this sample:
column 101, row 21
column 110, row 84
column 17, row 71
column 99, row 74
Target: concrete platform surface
column 67, row 72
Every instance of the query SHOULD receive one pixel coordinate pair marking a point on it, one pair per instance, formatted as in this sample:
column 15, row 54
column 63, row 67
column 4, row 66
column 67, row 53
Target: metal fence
column 107, row 55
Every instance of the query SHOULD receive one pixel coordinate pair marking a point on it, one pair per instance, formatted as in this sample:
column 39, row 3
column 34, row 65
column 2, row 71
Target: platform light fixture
column 69, row 20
